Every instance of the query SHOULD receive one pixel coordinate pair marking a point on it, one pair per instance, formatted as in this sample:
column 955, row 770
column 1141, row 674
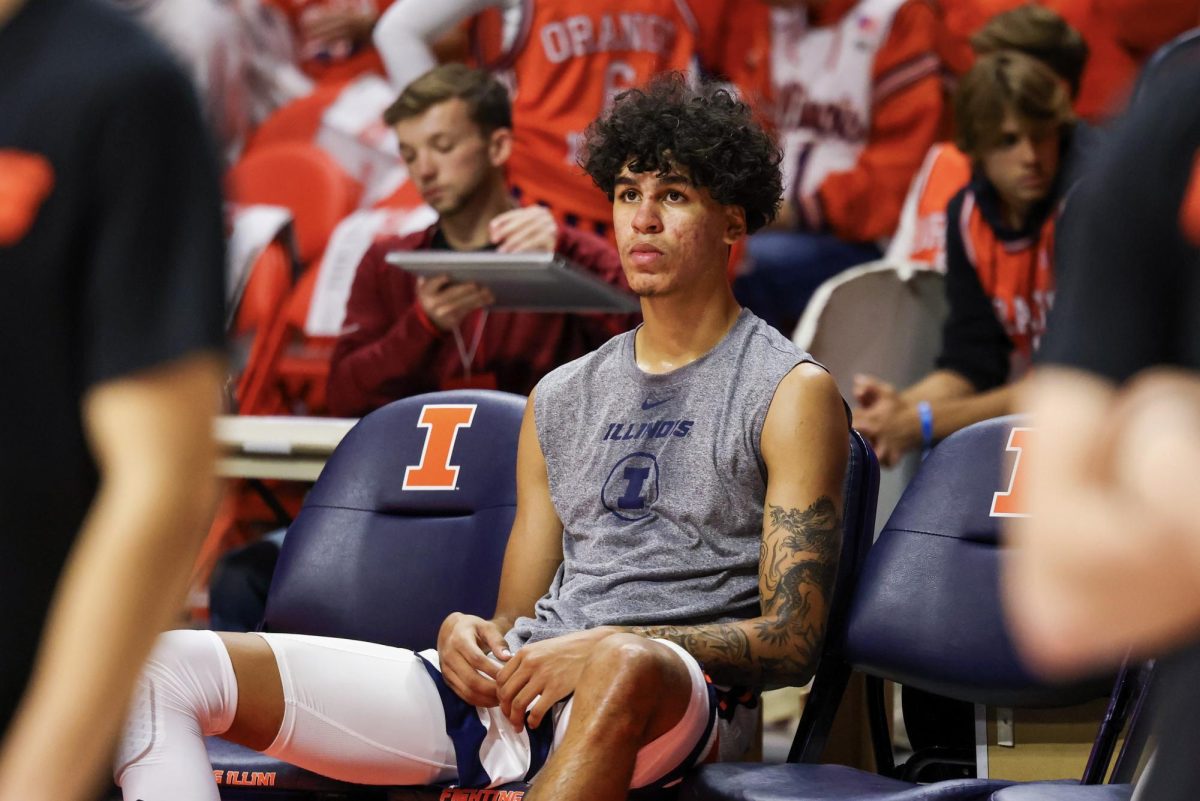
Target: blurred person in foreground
column 1014, row 121
column 1108, row 560
column 111, row 272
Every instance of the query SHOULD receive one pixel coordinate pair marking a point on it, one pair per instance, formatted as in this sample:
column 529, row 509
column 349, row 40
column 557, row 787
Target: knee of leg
column 175, row 651
column 632, row 658
column 188, row 678
column 190, row 671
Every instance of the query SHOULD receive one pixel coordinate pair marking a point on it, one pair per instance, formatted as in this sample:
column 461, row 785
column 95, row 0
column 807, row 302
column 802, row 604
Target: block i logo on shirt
column 632, row 487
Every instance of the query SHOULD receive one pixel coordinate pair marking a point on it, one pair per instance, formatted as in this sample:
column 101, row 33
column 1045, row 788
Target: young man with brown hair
column 1014, row 118
column 1030, row 29
column 403, row 336
column 615, row 589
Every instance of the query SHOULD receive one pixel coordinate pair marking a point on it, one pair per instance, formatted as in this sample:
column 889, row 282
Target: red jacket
column 390, row 350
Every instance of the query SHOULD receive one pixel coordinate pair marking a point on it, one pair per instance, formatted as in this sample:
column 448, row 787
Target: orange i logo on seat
column 441, row 423
column 1013, row 502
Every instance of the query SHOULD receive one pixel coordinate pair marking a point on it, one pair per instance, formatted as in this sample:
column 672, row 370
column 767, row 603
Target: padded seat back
column 407, row 523
column 928, row 613
column 860, row 495
column 858, row 523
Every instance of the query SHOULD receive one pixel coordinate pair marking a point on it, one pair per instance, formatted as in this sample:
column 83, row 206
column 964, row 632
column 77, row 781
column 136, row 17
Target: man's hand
column 463, row 645
column 447, row 303
column 548, row 671
column 888, row 421
column 528, row 230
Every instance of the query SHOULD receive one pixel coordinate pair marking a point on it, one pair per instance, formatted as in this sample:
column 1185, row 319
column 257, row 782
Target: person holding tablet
column 404, row 335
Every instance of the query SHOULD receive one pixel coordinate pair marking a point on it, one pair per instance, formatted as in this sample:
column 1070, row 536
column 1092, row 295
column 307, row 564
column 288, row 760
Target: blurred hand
column 333, row 26
column 1108, row 557
column 463, row 645
column 527, row 230
column 446, row 303
column 888, row 422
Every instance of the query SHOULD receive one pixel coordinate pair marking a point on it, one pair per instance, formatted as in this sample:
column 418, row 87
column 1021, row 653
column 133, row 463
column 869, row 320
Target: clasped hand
column 885, row 418
column 532, row 681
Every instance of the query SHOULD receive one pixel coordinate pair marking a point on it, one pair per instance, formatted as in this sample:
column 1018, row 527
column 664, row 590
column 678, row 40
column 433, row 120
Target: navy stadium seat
column 1045, row 791
column 368, row 560
column 859, row 500
column 926, row 613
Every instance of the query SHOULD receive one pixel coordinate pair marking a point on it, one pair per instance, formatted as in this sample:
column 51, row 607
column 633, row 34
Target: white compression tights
column 354, row 711
column 392, row 732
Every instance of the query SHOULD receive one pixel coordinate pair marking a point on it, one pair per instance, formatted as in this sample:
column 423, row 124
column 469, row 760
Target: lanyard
column 468, row 356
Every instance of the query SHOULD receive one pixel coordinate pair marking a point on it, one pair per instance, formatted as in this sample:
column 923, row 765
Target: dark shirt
column 974, row 342
column 111, row 262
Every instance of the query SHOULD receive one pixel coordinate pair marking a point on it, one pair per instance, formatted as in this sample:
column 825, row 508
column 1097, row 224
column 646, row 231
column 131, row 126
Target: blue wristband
column 925, row 413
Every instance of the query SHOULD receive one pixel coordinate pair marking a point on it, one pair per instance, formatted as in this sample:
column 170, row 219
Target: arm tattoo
column 797, row 566
column 721, row 647
column 797, row 571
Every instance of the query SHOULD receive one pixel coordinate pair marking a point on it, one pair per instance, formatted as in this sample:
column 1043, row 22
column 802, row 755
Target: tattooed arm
column 805, row 446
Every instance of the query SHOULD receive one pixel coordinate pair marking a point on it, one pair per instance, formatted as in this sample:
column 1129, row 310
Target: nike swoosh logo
column 646, row 404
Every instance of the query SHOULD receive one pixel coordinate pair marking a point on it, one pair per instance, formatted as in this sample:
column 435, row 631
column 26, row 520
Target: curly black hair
column 704, row 130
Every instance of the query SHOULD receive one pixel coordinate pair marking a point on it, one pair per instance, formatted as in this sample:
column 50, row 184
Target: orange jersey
column 1017, row 275
column 568, row 62
column 735, row 45
column 922, row 234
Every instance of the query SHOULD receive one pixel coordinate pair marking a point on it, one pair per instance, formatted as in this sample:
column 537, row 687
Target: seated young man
column 1013, row 116
column 404, row 336
column 1035, row 31
column 617, row 593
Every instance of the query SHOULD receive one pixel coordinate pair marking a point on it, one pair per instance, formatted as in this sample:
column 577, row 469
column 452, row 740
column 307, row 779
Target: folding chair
column 262, row 268
column 883, row 319
column 1137, row 735
column 256, row 320
column 925, row 613
column 303, row 178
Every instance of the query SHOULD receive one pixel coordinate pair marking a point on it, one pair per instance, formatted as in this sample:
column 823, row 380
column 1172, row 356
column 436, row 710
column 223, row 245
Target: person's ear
column 500, row 146
column 735, row 224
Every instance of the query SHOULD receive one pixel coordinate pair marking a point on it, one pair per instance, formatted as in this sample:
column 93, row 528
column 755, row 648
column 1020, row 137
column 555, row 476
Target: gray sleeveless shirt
column 659, row 482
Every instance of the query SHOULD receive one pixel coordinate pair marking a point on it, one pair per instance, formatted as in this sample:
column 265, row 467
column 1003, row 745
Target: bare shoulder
column 807, row 393
column 806, row 415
